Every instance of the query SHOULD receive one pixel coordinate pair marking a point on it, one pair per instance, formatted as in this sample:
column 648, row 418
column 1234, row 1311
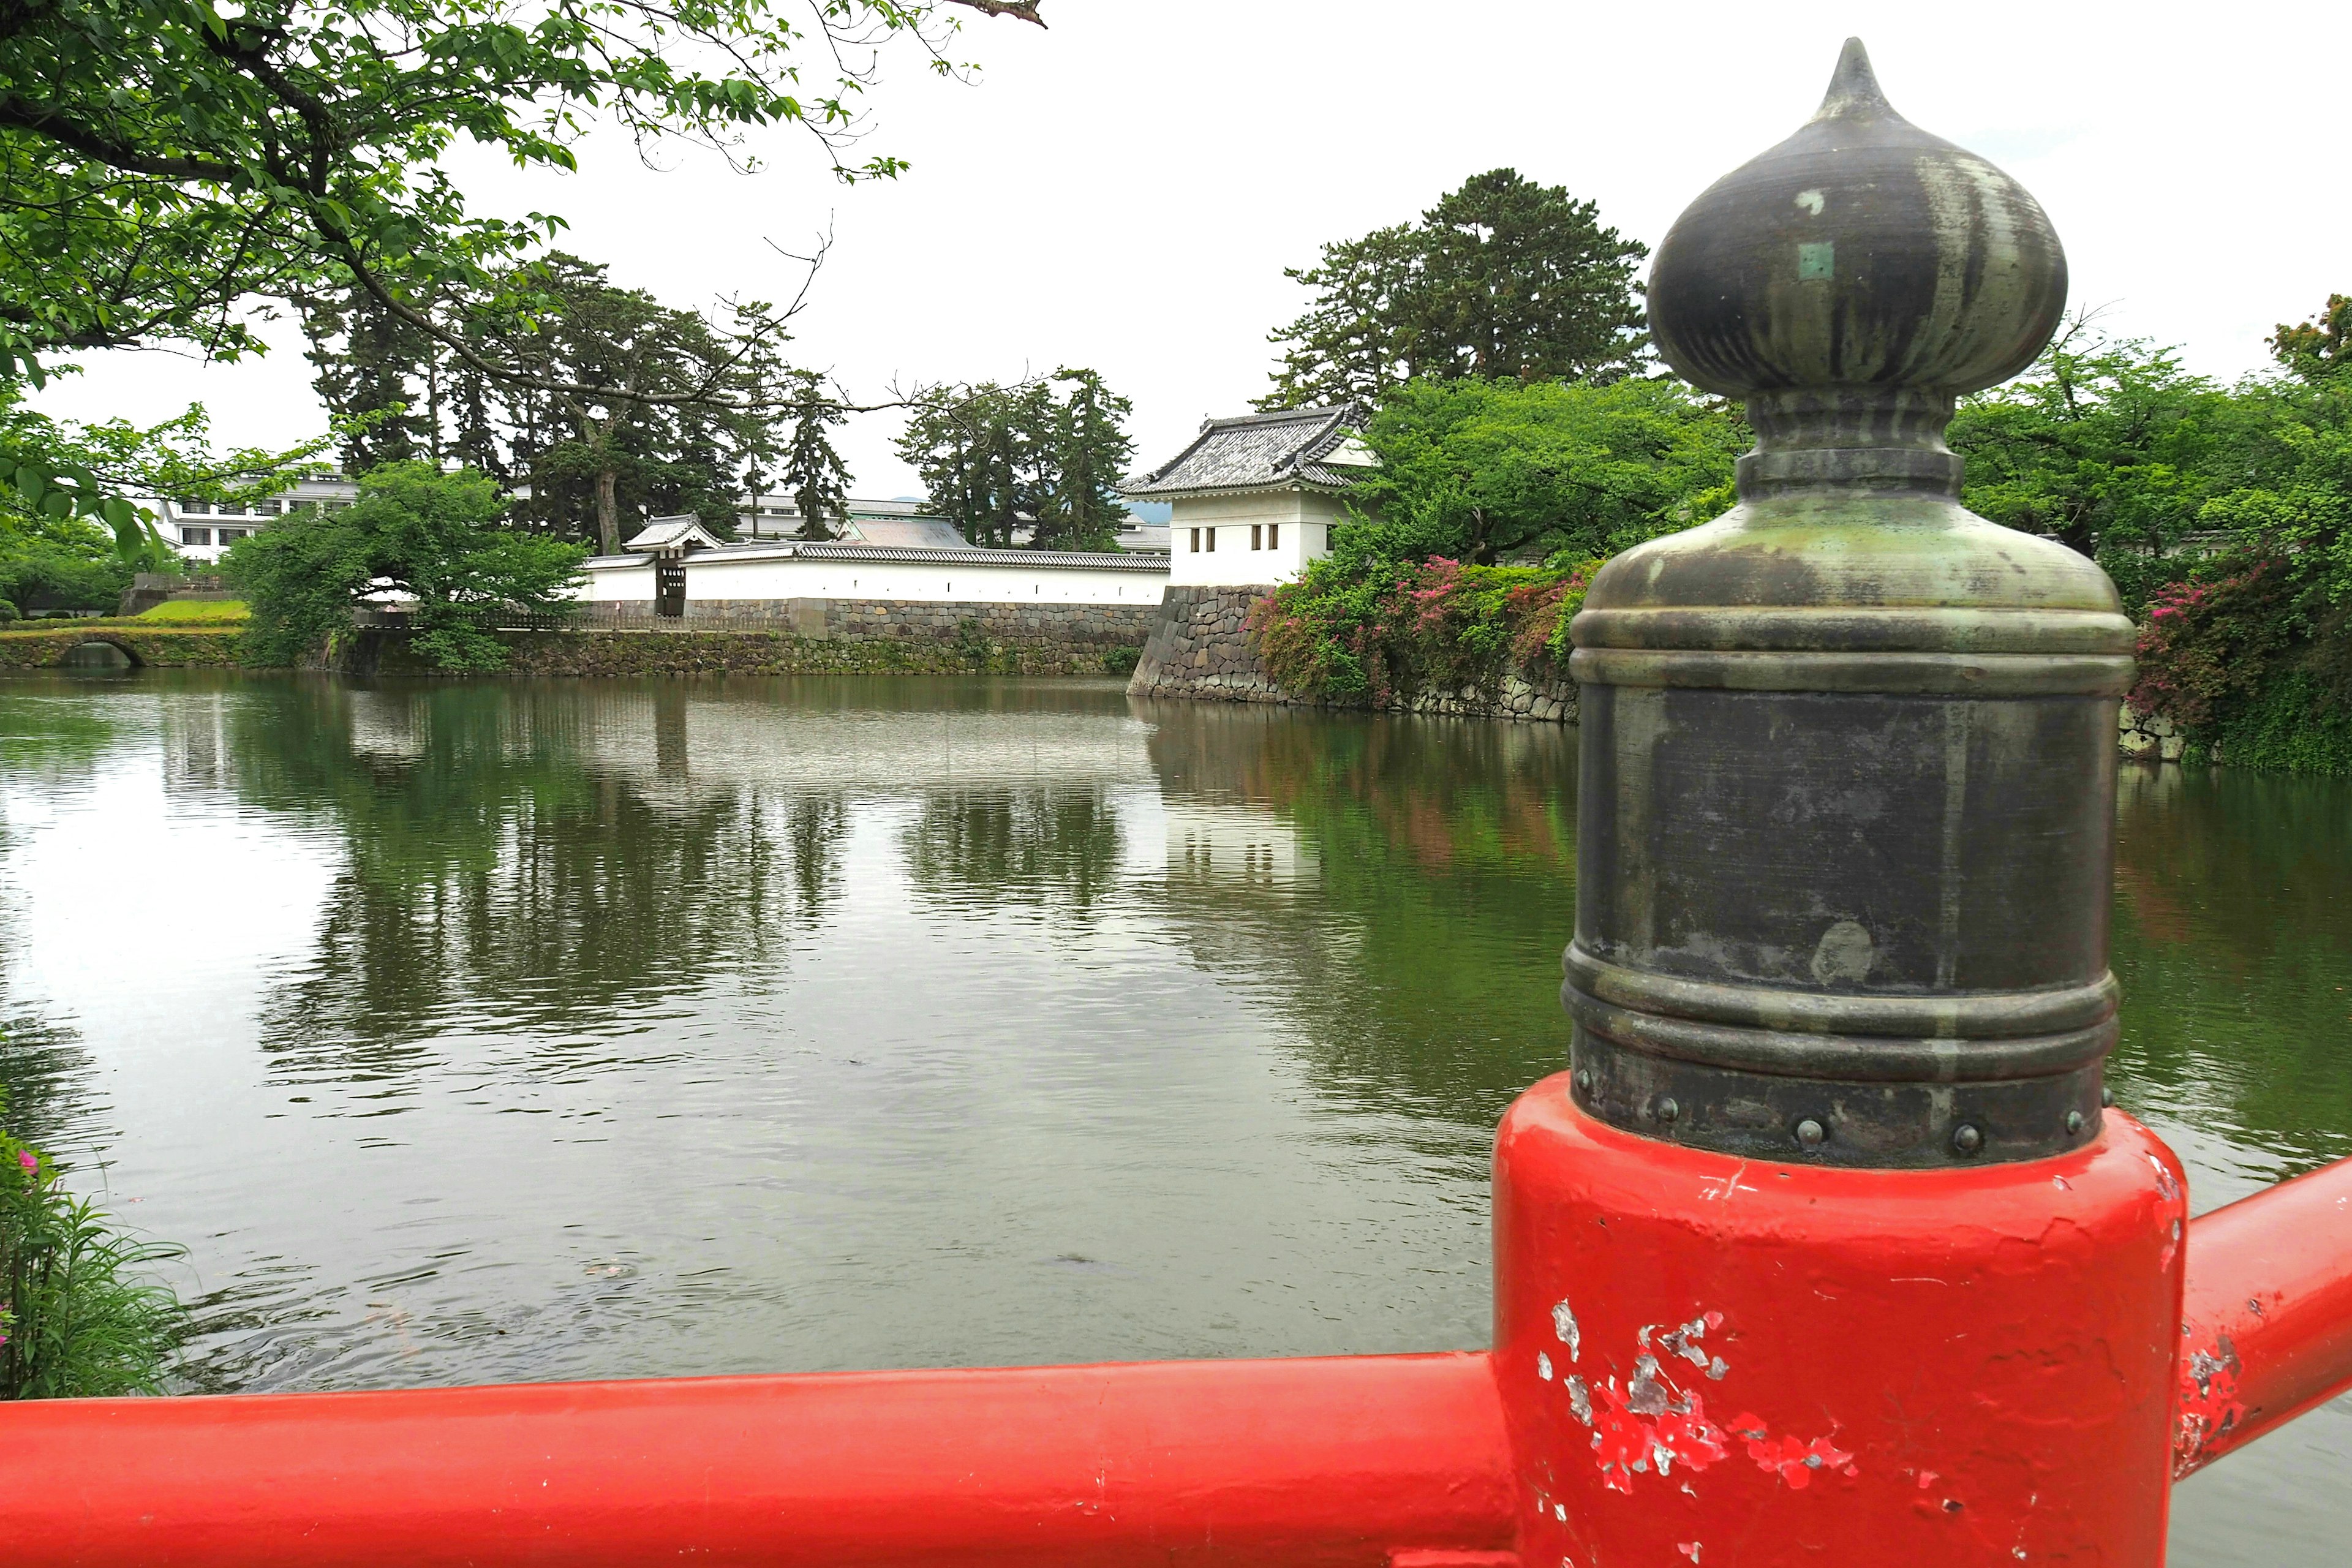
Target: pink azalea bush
column 1370, row 632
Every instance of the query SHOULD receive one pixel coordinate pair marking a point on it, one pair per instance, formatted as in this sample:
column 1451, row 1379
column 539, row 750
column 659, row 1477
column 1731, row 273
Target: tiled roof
column 673, row 533
column 1255, row 451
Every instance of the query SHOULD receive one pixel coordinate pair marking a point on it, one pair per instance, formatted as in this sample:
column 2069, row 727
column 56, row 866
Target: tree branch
column 1021, row 10
column 48, row 121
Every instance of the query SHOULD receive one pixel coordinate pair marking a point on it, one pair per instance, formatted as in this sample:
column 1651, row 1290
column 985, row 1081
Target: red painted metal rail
column 1385, row 1462
column 2266, row 1323
column 1344, row 1461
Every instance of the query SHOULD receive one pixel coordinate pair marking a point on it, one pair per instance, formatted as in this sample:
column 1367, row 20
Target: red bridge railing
column 1379, row 1461
column 1824, row 1249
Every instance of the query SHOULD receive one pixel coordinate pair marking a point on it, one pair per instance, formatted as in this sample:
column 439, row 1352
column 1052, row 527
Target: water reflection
column 2233, row 944
column 1041, row 847
column 534, row 1029
column 1420, row 968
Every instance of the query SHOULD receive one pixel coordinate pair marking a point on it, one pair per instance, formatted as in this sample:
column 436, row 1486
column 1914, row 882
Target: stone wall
column 586, row 653
column 205, row 647
column 1197, row 651
column 802, row 636
column 1041, row 628
column 2148, row 736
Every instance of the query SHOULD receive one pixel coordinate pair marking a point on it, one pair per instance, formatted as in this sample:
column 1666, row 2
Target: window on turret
column 1212, row 541
column 1257, row 536
column 1274, row 536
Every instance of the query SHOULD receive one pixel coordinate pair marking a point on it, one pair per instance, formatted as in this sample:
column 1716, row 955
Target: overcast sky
column 1124, row 190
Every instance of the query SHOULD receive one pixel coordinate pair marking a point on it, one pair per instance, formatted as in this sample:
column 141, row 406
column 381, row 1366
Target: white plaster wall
column 779, row 576
column 624, row 581
column 1305, row 518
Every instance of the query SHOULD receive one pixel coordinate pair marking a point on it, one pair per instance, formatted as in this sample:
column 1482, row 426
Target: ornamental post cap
column 1861, row 252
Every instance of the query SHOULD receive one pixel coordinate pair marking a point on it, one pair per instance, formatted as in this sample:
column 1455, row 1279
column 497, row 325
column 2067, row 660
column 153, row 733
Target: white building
column 1254, row 498
column 201, row 529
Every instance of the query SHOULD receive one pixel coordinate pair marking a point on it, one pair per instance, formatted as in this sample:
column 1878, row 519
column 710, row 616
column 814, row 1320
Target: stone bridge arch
column 69, row 647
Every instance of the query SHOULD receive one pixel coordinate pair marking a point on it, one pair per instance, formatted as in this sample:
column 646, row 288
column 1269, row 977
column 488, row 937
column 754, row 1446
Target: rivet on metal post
column 1848, row 750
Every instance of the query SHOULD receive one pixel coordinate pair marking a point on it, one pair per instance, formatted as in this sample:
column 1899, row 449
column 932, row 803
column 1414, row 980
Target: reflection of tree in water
column 47, row 1084
column 55, row 733
column 519, row 858
column 1052, row 847
column 2233, row 944
column 55, row 730
column 1424, row 970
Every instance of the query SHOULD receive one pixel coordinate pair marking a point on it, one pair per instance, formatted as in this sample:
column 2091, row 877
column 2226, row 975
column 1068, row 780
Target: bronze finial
column 1848, row 750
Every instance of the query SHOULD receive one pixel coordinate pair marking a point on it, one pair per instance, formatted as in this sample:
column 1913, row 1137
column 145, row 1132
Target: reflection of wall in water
column 1234, row 846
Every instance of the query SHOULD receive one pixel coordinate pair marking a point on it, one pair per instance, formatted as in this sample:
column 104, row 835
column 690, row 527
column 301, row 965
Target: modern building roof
column 906, row 533
column 1297, row 446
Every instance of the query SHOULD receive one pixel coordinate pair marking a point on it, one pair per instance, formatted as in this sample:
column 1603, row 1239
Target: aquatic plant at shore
column 77, row 1318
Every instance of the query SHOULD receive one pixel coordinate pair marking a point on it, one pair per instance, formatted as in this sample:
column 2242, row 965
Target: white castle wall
column 772, row 573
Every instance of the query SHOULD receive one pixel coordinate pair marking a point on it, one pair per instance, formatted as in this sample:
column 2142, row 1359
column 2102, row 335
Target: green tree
column 813, row 470
column 170, row 161
column 1477, row 470
column 433, row 539
column 630, row 406
column 1503, row 278
column 980, row 453
column 2318, row 350
column 1089, row 452
column 2225, row 514
column 169, row 158
column 2108, row 445
column 998, row 459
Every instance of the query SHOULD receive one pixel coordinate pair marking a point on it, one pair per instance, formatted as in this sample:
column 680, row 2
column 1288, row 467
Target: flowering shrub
column 2254, row 665
column 1368, row 630
column 73, row 1323
column 2207, row 647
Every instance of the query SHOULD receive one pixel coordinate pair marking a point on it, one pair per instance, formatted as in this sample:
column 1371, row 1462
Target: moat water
column 469, row 1032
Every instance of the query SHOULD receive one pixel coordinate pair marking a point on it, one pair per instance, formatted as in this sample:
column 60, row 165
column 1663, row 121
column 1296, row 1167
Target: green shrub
column 76, row 1320
column 2289, row 725
column 973, row 645
column 8, row 611
column 1361, row 630
column 1121, row 661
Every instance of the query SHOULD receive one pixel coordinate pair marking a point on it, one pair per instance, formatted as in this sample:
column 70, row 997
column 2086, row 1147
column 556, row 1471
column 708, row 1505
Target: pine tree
column 1090, row 452
column 813, row 472
column 1000, row 459
column 1503, row 279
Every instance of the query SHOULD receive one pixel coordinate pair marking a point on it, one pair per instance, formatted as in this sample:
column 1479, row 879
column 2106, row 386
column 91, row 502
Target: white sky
column 1124, row 190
